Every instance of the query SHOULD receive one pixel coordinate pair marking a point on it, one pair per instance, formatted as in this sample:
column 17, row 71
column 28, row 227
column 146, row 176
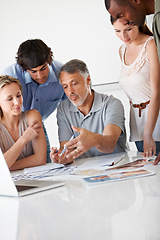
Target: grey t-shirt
column 105, row 110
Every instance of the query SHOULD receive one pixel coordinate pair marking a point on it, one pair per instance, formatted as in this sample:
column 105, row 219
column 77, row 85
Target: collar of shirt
column 97, row 103
column 51, row 77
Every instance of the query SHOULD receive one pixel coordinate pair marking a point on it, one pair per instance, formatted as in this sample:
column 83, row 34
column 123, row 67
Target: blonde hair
column 7, row 80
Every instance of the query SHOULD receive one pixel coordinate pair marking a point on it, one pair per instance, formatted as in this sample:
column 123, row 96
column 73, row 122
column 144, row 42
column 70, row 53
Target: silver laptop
column 22, row 187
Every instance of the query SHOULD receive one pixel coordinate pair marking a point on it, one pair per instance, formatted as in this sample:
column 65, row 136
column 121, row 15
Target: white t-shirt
column 135, row 81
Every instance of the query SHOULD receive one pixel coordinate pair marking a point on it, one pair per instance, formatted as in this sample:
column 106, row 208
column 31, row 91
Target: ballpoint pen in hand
column 64, row 149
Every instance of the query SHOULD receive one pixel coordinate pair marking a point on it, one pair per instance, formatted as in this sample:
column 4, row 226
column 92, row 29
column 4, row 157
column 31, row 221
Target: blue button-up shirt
column 43, row 97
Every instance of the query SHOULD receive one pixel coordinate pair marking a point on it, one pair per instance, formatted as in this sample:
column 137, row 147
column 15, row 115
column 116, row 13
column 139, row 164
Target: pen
column 64, row 149
column 110, row 164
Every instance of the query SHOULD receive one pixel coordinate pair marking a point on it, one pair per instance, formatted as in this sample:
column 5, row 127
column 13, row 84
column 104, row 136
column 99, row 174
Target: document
column 102, row 169
column 117, row 176
column 48, row 170
column 105, row 161
column 48, row 166
column 135, row 164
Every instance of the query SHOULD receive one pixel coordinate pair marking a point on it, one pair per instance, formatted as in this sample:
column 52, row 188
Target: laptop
column 21, row 187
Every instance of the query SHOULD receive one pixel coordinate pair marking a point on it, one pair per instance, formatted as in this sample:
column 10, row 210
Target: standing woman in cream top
column 140, row 79
column 22, row 138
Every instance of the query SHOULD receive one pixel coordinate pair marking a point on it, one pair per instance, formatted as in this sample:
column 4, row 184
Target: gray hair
column 74, row 66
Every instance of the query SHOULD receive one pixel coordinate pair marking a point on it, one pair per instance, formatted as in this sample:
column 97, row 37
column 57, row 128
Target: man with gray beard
column 95, row 120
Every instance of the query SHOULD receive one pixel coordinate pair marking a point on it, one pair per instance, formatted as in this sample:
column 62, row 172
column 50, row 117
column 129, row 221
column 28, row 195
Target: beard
column 81, row 99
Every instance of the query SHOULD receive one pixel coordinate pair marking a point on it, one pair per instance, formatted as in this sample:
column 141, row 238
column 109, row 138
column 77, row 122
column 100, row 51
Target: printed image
column 135, row 164
column 116, row 176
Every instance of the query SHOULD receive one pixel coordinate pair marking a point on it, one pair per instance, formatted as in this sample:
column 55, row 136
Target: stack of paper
column 126, row 171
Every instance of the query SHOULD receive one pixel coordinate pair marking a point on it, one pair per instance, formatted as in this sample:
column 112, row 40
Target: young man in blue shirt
column 37, row 71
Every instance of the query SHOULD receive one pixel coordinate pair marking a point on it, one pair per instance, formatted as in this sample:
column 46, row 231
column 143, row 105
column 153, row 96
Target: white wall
column 72, row 28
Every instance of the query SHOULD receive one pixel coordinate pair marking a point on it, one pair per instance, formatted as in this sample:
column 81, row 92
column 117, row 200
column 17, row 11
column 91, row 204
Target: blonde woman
column 22, row 138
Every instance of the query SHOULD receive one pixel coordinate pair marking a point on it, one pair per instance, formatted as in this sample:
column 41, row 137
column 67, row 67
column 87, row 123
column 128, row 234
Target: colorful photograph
column 117, row 176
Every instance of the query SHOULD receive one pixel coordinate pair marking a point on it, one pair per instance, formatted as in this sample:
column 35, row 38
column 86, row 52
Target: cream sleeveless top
column 135, row 81
column 6, row 141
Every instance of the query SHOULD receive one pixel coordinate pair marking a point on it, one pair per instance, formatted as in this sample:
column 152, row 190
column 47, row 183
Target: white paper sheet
column 48, row 166
column 100, row 162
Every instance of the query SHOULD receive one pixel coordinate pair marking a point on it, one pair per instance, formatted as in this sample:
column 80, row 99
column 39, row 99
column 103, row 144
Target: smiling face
column 40, row 73
column 75, row 87
column 132, row 13
column 126, row 33
column 11, row 99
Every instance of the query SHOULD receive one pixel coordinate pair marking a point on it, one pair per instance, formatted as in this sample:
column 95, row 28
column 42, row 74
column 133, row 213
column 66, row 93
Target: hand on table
column 149, row 147
column 56, row 157
column 157, row 159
